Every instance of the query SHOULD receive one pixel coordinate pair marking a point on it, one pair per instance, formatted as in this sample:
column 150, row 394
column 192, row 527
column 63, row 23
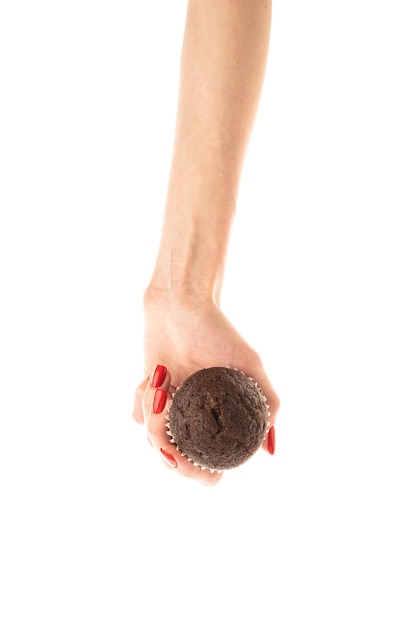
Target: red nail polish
column 271, row 440
column 158, row 376
column 168, row 458
column 160, row 398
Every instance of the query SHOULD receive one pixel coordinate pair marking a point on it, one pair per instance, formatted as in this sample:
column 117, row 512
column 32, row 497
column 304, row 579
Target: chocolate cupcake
column 218, row 418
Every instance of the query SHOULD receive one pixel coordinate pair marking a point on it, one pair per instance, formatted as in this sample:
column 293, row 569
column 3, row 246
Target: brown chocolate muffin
column 218, row 418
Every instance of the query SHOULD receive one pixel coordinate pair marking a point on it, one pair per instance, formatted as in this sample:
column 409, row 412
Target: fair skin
column 222, row 70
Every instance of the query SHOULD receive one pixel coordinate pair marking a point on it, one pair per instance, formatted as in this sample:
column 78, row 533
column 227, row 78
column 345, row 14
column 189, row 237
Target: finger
column 137, row 412
column 175, row 461
column 273, row 402
column 159, row 379
column 158, row 376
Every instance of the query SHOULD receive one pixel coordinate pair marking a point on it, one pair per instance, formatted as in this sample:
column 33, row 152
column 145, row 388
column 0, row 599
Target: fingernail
column 160, row 398
column 271, row 440
column 158, row 376
column 168, row 458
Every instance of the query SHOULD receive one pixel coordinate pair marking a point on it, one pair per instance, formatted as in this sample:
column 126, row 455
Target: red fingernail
column 160, row 398
column 158, row 376
column 168, row 458
column 271, row 440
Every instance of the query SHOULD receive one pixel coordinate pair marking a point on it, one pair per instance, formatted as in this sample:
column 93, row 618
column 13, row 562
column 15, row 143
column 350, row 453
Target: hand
column 184, row 336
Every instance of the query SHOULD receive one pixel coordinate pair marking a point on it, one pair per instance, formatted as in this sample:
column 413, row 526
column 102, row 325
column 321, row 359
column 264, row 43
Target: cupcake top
column 218, row 418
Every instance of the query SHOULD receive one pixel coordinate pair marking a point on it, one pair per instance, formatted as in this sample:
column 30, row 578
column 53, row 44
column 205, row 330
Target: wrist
column 191, row 259
column 170, row 308
column 188, row 292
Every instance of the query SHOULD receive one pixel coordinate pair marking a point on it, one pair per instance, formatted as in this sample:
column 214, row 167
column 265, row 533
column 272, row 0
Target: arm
column 222, row 69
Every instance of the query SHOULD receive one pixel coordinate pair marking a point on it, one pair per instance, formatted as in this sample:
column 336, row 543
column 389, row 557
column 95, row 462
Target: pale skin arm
column 222, row 70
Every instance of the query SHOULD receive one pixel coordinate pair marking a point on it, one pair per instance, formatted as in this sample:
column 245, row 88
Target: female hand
column 181, row 337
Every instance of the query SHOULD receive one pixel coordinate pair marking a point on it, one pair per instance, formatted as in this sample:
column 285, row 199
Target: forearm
column 223, row 63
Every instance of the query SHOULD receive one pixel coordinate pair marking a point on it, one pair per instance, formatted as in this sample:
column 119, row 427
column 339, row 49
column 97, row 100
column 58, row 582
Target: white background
column 322, row 280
